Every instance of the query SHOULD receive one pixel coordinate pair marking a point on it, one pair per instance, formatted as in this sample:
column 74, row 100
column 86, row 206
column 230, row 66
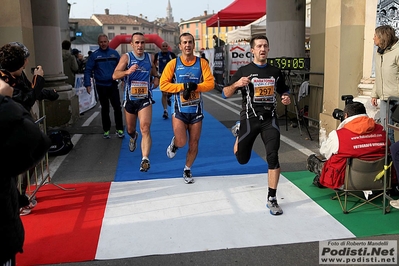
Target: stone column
column 16, row 25
column 344, row 49
column 47, row 43
column 285, row 27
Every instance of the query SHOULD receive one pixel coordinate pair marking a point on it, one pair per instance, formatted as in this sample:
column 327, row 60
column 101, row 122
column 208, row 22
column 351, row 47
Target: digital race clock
column 290, row 63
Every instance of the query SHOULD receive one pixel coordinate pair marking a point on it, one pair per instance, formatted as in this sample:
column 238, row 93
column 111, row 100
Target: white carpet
column 167, row 216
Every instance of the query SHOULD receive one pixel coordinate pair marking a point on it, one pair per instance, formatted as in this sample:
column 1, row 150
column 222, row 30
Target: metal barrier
column 41, row 172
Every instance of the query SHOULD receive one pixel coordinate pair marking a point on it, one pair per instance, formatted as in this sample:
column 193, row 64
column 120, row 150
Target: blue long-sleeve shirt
column 102, row 64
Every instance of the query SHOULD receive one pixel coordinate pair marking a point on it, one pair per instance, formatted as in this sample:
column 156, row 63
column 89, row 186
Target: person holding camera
column 357, row 136
column 13, row 60
column 187, row 77
column 259, row 84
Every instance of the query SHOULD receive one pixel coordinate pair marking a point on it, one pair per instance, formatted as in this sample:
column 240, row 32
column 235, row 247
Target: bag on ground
column 61, row 142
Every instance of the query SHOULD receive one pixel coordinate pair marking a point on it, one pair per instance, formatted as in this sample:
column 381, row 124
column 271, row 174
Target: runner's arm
column 236, row 82
column 120, row 70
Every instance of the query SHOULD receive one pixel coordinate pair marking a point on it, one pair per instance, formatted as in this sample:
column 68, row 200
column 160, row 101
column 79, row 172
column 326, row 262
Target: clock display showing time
column 290, row 63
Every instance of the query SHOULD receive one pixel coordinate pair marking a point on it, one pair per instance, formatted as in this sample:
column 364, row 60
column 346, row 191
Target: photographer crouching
column 357, row 136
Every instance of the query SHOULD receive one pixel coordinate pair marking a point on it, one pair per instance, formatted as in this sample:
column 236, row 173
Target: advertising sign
column 239, row 55
column 218, row 67
column 86, row 101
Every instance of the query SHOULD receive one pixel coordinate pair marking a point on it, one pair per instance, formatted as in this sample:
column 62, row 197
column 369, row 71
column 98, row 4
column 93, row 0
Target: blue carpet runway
column 215, row 155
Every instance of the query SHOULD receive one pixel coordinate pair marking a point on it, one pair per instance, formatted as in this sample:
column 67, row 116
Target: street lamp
column 70, row 7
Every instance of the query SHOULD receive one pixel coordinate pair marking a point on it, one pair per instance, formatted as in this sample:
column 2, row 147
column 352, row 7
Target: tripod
column 299, row 115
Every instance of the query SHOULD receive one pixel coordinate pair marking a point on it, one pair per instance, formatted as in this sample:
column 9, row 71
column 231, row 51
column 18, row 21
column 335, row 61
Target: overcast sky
column 151, row 9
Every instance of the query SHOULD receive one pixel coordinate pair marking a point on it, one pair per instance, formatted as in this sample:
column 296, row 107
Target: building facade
column 113, row 25
column 203, row 34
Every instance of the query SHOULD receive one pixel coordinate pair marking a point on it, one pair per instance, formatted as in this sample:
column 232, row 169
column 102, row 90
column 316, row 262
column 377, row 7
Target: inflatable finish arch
column 149, row 38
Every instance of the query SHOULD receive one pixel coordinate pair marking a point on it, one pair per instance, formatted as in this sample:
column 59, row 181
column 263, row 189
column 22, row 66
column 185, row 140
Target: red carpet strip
column 65, row 225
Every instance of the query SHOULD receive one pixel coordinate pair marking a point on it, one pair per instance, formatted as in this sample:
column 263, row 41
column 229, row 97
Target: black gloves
column 188, row 88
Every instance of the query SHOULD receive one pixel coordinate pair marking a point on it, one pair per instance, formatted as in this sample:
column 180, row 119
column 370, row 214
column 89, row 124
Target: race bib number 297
column 264, row 90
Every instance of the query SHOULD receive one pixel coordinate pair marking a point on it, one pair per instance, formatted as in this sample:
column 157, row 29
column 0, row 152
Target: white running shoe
column 188, row 177
column 235, row 129
column 172, row 149
column 273, row 206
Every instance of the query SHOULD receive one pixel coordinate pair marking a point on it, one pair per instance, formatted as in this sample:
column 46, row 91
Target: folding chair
column 360, row 176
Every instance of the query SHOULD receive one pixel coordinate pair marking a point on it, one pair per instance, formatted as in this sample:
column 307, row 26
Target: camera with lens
column 32, row 70
column 338, row 113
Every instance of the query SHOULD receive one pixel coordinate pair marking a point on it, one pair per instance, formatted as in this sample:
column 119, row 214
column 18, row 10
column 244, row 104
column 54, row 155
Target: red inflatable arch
column 149, row 38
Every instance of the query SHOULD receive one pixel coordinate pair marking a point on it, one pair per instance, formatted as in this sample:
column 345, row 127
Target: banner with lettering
column 86, row 101
column 218, row 68
column 238, row 55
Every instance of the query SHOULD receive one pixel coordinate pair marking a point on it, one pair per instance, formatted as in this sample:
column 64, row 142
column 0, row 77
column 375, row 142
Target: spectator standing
column 161, row 59
column 69, row 62
column 101, row 65
column 386, row 72
column 218, row 42
column 79, row 60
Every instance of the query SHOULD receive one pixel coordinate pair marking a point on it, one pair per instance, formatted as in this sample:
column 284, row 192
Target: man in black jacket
column 218, row 42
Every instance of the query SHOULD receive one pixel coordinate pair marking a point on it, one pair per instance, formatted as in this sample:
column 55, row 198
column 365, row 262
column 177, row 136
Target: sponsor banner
column 239, row 55
column 218, row 67
column 86, row 101
column 358, row 252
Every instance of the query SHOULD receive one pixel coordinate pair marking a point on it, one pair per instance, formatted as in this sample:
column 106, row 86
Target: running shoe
column 273, row 206
column 106, row 135
column 235, row 129
column 120, row 133
column 188, row 177
column 165, row 114
column 132, row 142
column 145, row 165
column 172, row 149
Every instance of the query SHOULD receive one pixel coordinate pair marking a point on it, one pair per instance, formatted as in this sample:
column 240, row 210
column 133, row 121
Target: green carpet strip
column 365, row 221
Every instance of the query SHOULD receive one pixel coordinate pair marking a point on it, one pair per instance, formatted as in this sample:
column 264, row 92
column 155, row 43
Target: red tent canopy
column 238, row 13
